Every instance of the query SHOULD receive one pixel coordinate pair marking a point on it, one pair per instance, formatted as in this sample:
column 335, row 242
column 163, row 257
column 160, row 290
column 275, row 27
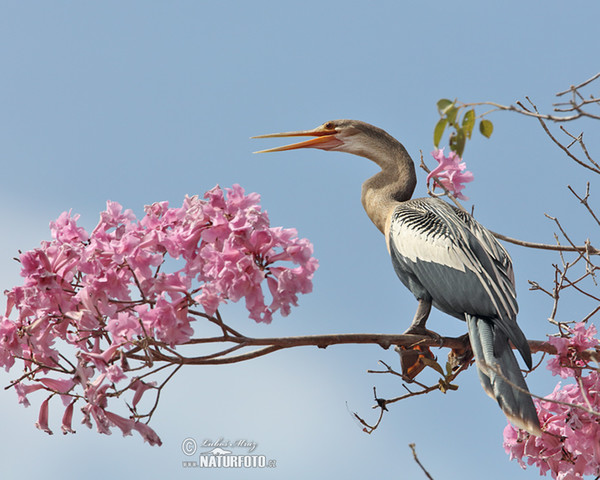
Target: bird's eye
column 329, row 125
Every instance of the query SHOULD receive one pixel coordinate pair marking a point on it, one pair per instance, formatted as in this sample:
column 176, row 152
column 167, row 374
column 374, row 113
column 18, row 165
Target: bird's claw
column 418, row 330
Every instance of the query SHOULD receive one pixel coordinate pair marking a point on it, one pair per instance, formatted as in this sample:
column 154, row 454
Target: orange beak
column 326, row 139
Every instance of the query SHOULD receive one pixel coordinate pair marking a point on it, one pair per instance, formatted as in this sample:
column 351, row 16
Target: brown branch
column 273, row 344
column 380, row 404
column 540, row 246
column 384, row 340
column 573, row 105
column 579, row 140
column 581, row 252
column 158, row 392
column 568, row 283
column 591, row 314
column 414, row 452
column 560, row 145
column 496, row 369
column 529, row 113
column 582, row 84
column 544, row 246
column 584, row 200
column 576, row 105
column 411, row 393
column 217, row 320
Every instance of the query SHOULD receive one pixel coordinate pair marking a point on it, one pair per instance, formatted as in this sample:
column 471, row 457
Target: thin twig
column 414, row 452
column 539, row 397
column 584, row 201
column 543, row 246
column 272, row 344
column 560, row 145
column 562, row 230
column 582, row 84
column 159, row 390
column 579, row 139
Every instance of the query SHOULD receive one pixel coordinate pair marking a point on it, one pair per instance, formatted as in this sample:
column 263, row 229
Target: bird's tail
column 500, row 374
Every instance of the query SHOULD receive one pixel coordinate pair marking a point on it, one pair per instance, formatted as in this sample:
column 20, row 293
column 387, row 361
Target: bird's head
column 350, row 136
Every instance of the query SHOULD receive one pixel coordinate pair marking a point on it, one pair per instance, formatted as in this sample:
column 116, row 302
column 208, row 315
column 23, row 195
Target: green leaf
column 486, row 128
column 438, row 131
column 457, row 141
column 445, row 385
column 468, row 122
column 432, row 364
column 443, row 105
column 451, row 113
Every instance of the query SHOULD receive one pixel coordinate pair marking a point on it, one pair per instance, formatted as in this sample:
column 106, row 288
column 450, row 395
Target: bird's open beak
column 326, row 139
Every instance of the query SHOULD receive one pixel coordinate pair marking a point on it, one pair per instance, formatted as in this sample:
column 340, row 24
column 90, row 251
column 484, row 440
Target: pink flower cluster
column 131, row 283
column 570, row 447
column 450, row 172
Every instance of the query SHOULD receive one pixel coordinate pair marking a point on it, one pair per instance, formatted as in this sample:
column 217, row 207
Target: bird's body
column 444, row 257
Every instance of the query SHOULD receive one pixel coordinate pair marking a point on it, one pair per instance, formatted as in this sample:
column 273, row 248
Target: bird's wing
column 443, row 254
column 489, row 242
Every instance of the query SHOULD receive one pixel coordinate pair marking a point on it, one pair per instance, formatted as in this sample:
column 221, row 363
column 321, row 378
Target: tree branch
column 273, row 344
column 582, row 84
column 545, row 246
column 540, row 246
column 414, row 452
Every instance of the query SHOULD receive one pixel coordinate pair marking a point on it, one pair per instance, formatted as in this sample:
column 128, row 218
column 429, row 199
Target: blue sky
column 145, row 101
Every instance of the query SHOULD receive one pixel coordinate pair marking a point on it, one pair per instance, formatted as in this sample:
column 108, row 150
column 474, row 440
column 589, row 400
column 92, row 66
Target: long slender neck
column 394, row 184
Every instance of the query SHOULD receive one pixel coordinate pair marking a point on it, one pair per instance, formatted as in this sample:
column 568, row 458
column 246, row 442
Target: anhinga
column 443, row 256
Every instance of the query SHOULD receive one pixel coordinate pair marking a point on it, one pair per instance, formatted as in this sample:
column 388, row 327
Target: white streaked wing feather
column 417, row 245
column 428, row 230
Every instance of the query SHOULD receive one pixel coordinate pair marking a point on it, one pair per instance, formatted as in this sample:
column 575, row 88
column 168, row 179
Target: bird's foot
column 459, row 358
column 419, row 330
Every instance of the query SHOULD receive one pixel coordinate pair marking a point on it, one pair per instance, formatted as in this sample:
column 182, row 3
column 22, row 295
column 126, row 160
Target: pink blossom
column 147, row 434
column 140, row 387
column 68, row 419
column 450, row 172
column 125, row 326
column 95, row 395
column 124, row 424
column 65, row 229
column 570, row 445
column 60, row 385
column 115, row 374
column 24, row 390
column 91, row 411
column 108, row 296
column 9, row 343
column 102, row 360
column 167, row 322
column 568, row 347
column 114, row 217
column 42, row 422
column 82, row 372
column 210, row 298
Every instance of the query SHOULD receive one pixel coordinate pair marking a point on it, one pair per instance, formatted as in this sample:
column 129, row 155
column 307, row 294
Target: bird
column 443, row 256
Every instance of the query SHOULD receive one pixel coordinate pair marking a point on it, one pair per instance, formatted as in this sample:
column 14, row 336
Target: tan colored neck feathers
column 394, row 184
